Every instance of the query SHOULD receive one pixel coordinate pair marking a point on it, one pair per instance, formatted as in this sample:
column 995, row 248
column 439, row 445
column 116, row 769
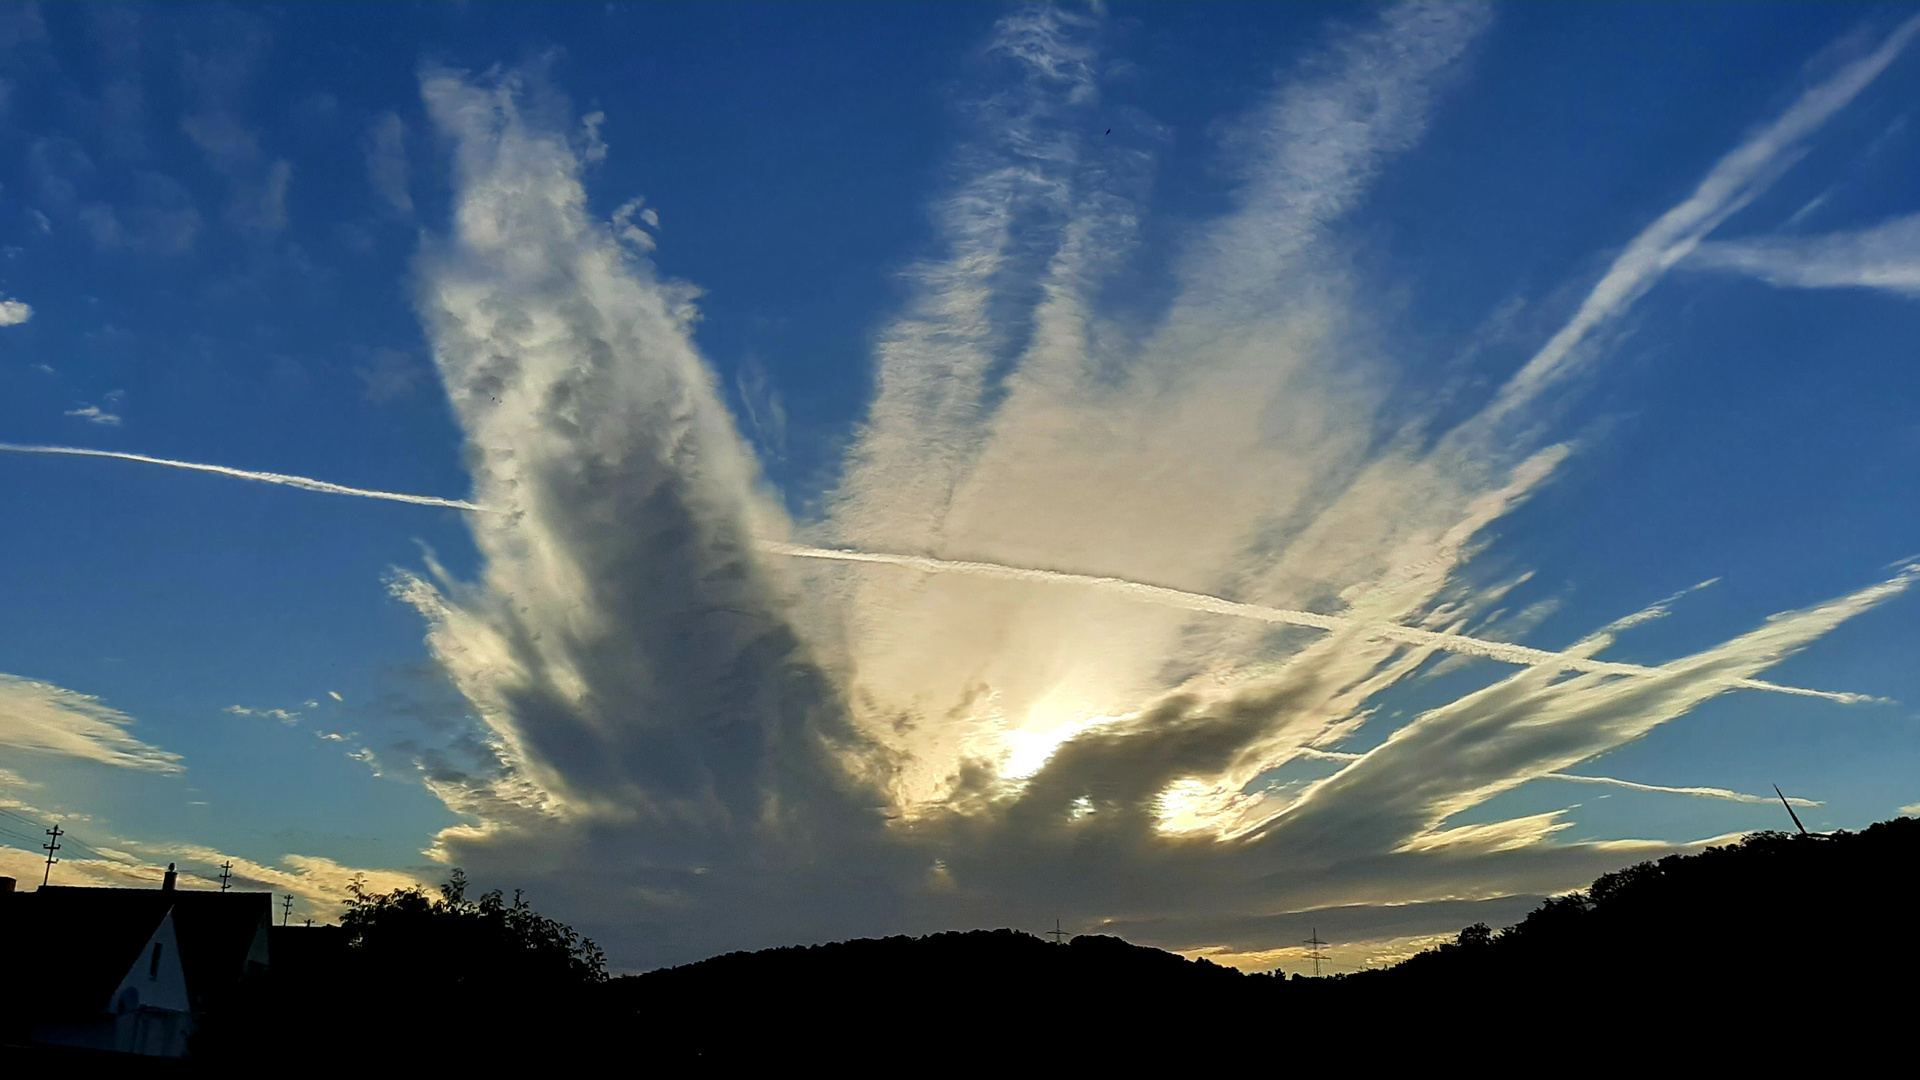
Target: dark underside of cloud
column 690, row 742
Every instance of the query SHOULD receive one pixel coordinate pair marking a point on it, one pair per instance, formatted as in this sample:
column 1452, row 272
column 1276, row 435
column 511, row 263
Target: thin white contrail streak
column 1704, row 792
column 301, row 482
column 1506, row 652
column 1698, row 792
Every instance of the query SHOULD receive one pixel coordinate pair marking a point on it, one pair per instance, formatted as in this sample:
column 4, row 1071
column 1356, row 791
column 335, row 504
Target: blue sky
column 1506, row 323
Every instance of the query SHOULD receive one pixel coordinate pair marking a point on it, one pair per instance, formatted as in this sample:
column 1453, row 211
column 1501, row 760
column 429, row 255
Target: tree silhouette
column 411, row 976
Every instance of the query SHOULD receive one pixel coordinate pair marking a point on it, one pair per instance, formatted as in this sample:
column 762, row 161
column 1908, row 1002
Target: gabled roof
column 79, row 942
column 71, row 947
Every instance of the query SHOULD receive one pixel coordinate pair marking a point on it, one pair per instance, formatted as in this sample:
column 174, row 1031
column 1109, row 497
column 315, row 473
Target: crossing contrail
column 301, row 482
column 1505, row 652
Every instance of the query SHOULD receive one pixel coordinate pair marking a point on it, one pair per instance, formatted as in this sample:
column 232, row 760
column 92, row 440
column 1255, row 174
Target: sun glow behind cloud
column 655, row 668
column 1096, row 582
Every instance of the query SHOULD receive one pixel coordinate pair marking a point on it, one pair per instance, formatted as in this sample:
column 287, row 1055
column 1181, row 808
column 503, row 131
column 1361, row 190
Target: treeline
column 1774, row 926
column 1795, row 924
column 412, row 977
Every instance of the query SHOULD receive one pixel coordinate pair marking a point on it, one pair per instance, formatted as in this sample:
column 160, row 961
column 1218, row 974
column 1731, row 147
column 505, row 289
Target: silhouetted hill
column 979, row 995
column 1773, row 945
column 1790, row 927
column 1659, row 954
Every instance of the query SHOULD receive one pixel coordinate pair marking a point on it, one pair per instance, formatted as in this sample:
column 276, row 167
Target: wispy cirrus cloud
column 1733, row 182
column 44, row 718
column 677, row 709
column 1884, row 256
column 385, row 146
column 1088, row 583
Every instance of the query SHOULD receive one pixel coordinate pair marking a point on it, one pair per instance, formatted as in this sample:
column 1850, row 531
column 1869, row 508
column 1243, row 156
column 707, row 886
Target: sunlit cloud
column 43, row 718
column 282, row 715
column 14, row 312
column 1086, row 586
column 1035, row 626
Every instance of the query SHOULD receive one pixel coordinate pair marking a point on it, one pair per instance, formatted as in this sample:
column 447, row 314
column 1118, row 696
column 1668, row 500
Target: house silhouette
column 124, row 970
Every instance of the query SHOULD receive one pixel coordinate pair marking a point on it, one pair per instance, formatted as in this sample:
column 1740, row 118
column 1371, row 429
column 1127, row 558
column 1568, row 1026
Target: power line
column 1314, row 944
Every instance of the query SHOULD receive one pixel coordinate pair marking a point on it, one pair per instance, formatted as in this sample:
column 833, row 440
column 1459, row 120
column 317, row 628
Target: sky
column 761, row 474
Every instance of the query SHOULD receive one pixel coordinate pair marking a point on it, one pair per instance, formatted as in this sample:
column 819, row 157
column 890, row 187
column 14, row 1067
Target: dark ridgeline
column 1795, row 929
column 1770, row 945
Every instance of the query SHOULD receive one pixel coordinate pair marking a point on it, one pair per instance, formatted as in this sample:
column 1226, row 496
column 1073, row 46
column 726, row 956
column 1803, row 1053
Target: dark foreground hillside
column 1776, row 944
column 1776, row 937
column 1797, row 924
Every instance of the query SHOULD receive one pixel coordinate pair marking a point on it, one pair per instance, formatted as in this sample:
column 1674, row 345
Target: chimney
column 6, row 884
column 166, row 883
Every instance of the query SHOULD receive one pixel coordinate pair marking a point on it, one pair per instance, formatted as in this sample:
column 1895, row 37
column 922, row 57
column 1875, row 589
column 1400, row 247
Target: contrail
column 301, row 482
column 1506, row 652
column 1700, row 792
column 1704, row 792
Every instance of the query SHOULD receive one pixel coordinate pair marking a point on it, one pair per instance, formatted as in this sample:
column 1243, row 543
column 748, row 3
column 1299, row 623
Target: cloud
column 282, row 715
column 160, row 219
column 1162, row 555
column 389, row 375
column 43, row 718
column 301, row 482
column 94, row 414
column 14, row 312
column 1734, row 181
column 1884, row 256
column 335, row 695
column 1090, row 579
column 1701, row 792
column 766, row 413
column 365, row 756
column 385, row 146
column 217, row 72
column 319, row 884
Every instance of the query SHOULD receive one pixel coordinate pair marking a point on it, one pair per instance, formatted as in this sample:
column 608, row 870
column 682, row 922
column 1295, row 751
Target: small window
column 153, row 966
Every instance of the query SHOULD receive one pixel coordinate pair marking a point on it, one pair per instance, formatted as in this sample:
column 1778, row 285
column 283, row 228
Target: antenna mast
column 226, row 874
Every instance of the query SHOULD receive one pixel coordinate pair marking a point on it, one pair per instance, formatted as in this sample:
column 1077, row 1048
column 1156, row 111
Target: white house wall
column 168, row 988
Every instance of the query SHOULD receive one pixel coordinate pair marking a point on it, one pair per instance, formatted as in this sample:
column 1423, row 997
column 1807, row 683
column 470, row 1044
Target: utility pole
column 1058, row 935
column 226, row 874
column 1314, row 945
column 286, row 908
column 51, row 846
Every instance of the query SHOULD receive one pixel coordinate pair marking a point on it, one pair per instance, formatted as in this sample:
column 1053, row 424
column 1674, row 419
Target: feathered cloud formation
column 1884, row 256
column 43, row 718
column 1087, row 585
column 1025, row 665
